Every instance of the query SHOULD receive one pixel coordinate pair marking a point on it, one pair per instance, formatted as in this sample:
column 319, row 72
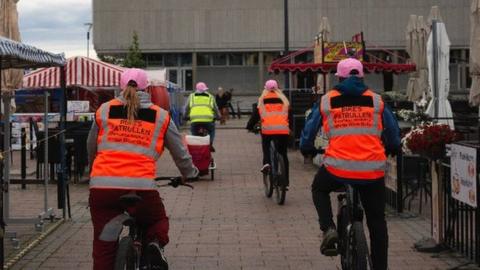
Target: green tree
column 111, row 59
column 134, row 56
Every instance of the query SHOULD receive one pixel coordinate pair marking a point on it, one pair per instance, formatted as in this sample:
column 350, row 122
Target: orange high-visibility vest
column 353, row 126
column 274, row 116
column 127, row 150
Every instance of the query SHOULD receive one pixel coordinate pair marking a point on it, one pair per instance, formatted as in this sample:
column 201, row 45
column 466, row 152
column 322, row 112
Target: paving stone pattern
column 230, row 224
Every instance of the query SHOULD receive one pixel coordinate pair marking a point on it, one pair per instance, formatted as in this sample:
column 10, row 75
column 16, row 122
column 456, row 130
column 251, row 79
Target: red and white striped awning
column 81, row 71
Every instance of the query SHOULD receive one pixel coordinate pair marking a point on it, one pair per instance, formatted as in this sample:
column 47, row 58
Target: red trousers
column 104, row 206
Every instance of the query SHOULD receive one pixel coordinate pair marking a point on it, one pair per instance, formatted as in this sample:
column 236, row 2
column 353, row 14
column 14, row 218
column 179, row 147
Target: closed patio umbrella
column 438, row 57
column 416, row 48
column 474, row 97
column 325, row 32
column 11, row 78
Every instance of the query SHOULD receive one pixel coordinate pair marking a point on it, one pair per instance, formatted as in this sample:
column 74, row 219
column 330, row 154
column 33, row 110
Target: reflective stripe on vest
column 122, row 182
column 273, row 122
column 354, row 165
column 201, row 108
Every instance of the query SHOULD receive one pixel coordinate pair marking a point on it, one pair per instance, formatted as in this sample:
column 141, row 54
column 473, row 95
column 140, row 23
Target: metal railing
column 461, row 222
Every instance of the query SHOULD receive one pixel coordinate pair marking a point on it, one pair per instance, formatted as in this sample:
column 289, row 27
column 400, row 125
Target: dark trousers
column 372, row 197
column 282, row 143
column 209, row 126
column 105, row 206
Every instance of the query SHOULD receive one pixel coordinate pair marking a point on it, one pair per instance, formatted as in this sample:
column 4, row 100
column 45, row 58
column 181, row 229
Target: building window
column 269, row 57
column 154, row 59
column 171, row 60
column 235, row 59
column 186, row 59
column 203, row 59
column 219, row 59
column 251, row 59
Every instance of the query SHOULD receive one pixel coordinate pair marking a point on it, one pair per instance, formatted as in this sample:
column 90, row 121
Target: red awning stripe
column 80, row 71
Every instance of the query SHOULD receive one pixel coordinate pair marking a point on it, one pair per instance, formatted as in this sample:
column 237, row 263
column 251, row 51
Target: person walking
column 127, row 136
column 202, row 110
column 273, row 111
column 361, row 131
column 221, row 99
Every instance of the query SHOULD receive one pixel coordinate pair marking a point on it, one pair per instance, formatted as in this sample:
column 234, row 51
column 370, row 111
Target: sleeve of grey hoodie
column 181, row 157
column 92, row 143
column 187, row 107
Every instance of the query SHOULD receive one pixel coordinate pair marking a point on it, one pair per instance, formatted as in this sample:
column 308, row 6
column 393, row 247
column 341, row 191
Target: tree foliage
column 134, row 56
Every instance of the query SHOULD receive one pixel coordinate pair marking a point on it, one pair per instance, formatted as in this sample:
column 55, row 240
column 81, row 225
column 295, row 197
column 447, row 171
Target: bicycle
column 352, row 243
column 131, row 253
column 275, row 179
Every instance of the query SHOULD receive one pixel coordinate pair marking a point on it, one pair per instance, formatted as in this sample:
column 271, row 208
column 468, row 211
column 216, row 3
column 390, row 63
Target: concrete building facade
column 230, row 43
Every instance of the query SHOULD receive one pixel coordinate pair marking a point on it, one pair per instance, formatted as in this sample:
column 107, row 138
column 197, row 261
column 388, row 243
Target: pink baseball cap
column 201, row 87
column 139, row 76
column 345, row 66
column 271, row 85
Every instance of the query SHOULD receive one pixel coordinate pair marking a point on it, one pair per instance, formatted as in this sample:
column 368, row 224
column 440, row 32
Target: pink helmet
column 201, row 87
column 271, row 85
column 345, row 66
column 139, row 76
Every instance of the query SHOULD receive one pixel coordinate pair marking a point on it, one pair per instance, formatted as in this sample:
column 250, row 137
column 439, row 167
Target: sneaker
column 329, row 242
column 265, row 168
column 156, row 257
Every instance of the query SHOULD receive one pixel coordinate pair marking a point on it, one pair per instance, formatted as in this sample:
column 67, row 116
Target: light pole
column 286, row 46
column 89, row 28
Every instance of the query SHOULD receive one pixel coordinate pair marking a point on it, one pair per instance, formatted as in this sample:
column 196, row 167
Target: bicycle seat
column 130, row 199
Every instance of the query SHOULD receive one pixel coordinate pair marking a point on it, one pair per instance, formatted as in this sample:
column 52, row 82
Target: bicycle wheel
column 357, row 250
column 212, row 169
column 343, row 240
column 127, row 257
column 267, row 184
column 280, row 181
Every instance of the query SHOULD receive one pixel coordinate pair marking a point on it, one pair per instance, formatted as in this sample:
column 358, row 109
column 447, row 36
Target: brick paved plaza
column 228, row 223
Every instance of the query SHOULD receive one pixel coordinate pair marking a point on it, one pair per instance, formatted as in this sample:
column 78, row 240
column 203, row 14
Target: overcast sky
column 56, row 25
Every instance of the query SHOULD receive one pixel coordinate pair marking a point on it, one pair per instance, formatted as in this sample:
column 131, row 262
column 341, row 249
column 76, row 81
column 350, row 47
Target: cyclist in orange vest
column 273, row 110
column 127, row 137
column 361, row 131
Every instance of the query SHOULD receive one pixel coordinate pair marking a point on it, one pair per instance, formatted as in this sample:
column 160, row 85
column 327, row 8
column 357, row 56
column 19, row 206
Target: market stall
column 15, row 55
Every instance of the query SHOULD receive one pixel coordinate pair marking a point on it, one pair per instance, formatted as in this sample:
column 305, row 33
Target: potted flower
column 429, row 140
column 412, row 116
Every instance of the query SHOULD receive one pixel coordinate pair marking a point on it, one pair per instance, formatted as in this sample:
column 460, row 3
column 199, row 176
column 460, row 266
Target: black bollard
column 23, row 156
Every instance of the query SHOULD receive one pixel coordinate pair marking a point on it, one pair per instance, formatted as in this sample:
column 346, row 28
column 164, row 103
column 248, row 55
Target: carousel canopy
column 331, row 67
column 80, row 71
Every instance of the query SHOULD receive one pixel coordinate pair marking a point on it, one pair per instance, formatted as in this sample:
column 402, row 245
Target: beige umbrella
column 434, row 15
column 11, row 78
column 411, row 37
column 474, row 97
column 422, row 66
column 324, row 32
column 416, row 48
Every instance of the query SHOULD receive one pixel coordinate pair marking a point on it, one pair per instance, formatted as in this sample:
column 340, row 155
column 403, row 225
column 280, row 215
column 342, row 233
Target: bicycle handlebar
column 175, row 181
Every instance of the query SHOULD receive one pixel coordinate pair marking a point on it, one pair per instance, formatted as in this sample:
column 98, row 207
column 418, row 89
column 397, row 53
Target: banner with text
column 463, row 174
column 334, row 52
